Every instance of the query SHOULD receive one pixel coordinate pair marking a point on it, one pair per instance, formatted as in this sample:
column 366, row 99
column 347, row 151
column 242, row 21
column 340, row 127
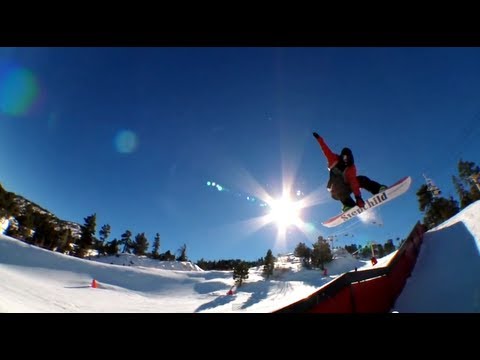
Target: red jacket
column 349, row 174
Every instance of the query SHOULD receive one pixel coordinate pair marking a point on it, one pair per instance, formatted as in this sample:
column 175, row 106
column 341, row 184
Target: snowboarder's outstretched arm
column 332, row 158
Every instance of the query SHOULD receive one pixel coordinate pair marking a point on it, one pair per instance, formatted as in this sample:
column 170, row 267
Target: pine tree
column 104, row 233
column 352, row 248
column 112, row 247
column 65, row 240
column 425, row 198
column 441, row 209
column 8, row 206
column 465, row 186
column 366, row 251
column 27, row 222
column 380, row 250
column 167, row 256
column 462, row 193
column 240, row 273
column 321, row 253
column 436, row 209
column 100, row 244
column 303, row 252
column 87, row 237
column 156, row 246
column 269, row 264
column 126, row 241
column 140, row 245
column 52, row 238
column 183, row 253
column 203, row 264
column 389, row 247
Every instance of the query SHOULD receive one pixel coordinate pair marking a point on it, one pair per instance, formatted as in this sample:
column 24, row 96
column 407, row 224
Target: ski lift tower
column 431, row 187
column 330, row 238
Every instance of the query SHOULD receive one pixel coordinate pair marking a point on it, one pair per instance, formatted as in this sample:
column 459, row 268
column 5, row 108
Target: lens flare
column 216, row 186
column 18, row 89
column 126, row 141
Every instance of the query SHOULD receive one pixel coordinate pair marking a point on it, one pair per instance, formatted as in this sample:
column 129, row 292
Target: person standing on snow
column 343, row 177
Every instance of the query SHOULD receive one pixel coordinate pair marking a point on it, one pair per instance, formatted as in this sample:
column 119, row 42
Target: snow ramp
column 372, row 290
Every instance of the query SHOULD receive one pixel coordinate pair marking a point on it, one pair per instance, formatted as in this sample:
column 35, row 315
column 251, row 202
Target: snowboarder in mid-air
column 343, row 177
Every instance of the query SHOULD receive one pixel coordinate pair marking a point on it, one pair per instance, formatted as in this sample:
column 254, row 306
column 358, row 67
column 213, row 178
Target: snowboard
column 397, row 189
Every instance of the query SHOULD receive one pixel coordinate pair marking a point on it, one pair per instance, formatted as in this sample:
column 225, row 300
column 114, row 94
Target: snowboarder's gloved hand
column 360, row 202
column 316, row 135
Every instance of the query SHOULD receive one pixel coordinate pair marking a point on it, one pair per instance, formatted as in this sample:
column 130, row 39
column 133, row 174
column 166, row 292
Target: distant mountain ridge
column 22, row 203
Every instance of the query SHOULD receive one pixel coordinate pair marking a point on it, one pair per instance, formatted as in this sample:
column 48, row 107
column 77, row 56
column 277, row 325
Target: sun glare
column 284, row 212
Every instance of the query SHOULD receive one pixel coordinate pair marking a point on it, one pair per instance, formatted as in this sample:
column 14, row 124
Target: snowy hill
column 39, row 280
column 143, row 261
column 446, row 278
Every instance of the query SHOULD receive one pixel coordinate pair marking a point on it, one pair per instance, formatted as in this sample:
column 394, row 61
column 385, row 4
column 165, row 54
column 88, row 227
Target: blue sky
column 135, row 134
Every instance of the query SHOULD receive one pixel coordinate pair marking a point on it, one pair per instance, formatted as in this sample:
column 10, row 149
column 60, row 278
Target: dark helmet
column 347, row 156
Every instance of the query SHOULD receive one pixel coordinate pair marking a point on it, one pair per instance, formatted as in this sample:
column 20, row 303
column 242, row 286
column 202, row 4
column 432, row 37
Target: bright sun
column 284, row 212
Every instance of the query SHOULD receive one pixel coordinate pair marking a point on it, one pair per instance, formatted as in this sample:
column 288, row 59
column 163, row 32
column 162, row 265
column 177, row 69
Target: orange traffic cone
column 94, row 283
column 230, row 292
